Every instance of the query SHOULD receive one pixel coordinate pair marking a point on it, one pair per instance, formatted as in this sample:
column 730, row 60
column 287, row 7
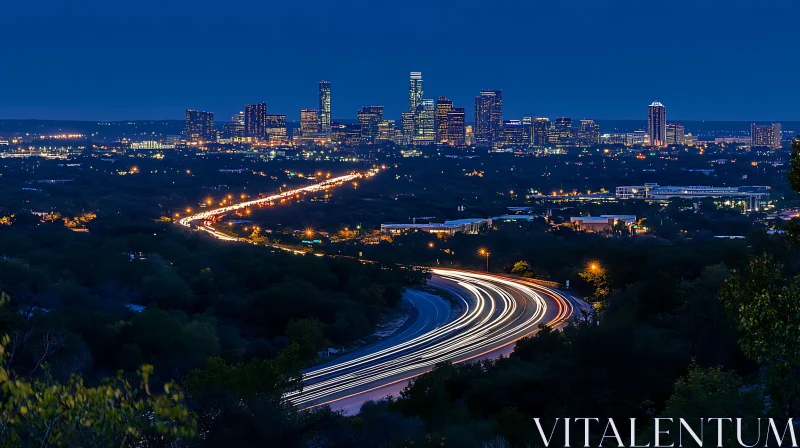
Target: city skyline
column 595, row 65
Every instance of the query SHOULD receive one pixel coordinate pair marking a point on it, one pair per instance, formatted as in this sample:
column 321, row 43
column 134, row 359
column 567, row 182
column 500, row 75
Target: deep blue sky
column 152, row 59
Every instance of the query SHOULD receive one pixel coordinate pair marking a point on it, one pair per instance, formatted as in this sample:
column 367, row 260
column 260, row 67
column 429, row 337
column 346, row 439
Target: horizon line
column 356, row 118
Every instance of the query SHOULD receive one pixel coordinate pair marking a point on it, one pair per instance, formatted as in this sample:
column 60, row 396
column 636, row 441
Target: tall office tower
column 488, row 116
column 385, row 131
column 443, row 107
column 527, row 130
column 237, row 125
column 512, row 134
column 424, row 123
column 352, row 134
column 456, row 130
column 200, row 126
column 766, row 135
column 541, row 131
column 468, row 135
column 276, row 128
column 338, row 132
column 675, row 134
column 369, row 117
column 561, row 133
column 255, row 120
column 414, row 91
column 407, row 125
column 588, row 133
column 234, row 128
column 325, row 107
column 309, row 122
column 657, row 124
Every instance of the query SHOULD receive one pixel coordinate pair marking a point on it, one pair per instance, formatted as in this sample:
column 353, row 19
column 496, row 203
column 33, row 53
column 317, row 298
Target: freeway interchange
column 495, row 312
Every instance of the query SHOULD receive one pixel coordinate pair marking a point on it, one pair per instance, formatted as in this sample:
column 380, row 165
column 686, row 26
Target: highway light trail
column 497, row 312
column 206, row 218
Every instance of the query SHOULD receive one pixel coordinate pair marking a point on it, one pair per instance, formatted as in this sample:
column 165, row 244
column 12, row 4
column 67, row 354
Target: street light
column 484, row 252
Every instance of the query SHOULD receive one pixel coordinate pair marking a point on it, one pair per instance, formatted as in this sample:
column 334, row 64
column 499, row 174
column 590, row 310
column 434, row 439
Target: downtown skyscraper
column 309, row 122
column 325, row 107
column 414, row 91
column 541, row 132
column 276, row 128
column 200, row 126
column 443, row 107
column 456, row 126
column 255, row 120
column 657, row 124
column 370, row 118
column 675, row 134
column 488, row 116
column 561, row 132
column 425, row 123
column 588, row 133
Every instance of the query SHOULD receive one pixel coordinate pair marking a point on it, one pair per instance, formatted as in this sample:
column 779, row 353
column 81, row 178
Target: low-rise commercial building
column 750, row 195
column 602, row 223
column 468, row 225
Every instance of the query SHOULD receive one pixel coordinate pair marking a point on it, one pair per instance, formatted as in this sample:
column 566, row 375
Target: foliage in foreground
column 45, row 413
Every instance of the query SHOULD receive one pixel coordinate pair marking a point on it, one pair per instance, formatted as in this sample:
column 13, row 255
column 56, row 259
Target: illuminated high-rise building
column 255, row 120
column 675, row 134
column 766, row 135
column 513, row 133
column 338, row 132
column 561, row 132
column 200, row 126
column 468, row 135
column 456, row 126
column 424, row 123
column 276, row 128
column 657, row 124
column 309, row 123
column 325, row 107
column 407, row 126
column 370, row 117
column 385, row 131
column 236, row 126
column 588, row 133
column 541, row 132
column 414, row 91
column 443, row 107
column 488, row 116
column 527, row 130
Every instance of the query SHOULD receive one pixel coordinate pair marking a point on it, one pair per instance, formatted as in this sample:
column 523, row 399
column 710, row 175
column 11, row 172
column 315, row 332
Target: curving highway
column 206, row 218
column 497, row 311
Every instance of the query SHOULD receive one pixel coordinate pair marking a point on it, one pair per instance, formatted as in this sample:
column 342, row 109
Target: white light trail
column 499, row 312
column 206, row 216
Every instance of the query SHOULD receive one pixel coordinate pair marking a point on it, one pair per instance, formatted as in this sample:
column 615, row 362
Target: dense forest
column 123, row 295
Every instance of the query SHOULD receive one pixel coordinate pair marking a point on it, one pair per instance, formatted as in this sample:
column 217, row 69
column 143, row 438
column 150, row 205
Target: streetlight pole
column 485, row 253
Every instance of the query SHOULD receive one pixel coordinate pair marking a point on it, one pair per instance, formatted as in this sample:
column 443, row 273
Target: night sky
column 606, row 59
